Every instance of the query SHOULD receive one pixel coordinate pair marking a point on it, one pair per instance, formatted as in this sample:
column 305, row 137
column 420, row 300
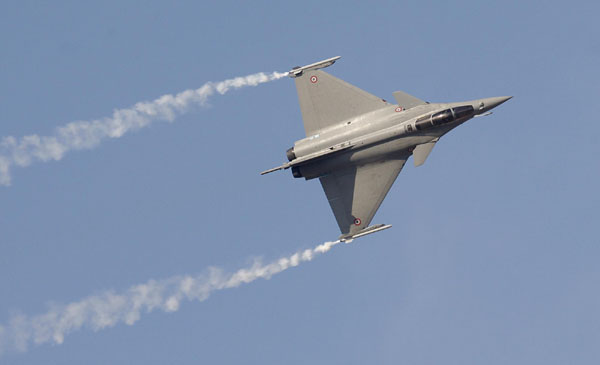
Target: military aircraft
column 357, row 143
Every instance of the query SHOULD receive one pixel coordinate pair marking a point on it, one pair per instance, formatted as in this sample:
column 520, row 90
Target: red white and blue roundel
column 357, row 221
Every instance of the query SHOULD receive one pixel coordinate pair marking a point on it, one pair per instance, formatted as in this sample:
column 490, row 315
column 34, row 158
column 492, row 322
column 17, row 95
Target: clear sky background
column 493, row 257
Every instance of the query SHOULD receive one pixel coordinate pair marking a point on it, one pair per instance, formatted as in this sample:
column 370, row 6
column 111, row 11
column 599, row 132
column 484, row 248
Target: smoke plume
column 88, row 134
column 109, row 308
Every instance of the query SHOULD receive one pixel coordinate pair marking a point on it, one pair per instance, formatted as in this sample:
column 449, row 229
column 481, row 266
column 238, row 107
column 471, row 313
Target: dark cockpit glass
column 442, row 117
column 463, row 111
column 423, row 123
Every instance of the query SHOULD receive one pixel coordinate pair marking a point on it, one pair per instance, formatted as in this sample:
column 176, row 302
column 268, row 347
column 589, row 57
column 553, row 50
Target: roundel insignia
column 357, row 221
column 313, row 79
column 399, row 109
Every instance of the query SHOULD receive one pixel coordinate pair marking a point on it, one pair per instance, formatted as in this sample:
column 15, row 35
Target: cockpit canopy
column 444, row 117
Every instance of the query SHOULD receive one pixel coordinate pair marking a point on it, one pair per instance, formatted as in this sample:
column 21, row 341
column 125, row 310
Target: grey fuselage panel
column 373, row 136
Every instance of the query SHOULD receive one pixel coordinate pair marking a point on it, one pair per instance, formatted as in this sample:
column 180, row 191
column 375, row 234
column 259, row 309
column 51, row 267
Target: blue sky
column 493, row 254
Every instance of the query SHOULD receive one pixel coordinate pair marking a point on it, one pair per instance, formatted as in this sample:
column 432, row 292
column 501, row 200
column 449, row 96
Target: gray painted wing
column 356, row 193
column 326, row 100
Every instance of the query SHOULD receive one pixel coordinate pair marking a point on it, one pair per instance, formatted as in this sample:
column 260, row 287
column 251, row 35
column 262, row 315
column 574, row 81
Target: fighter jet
column 356, row 143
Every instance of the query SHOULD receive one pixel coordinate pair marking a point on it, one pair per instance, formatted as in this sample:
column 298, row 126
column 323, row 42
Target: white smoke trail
column 88, row 134
column 108, row 309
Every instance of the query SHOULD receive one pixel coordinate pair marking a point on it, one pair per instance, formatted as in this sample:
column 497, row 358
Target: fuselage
column 383, row 134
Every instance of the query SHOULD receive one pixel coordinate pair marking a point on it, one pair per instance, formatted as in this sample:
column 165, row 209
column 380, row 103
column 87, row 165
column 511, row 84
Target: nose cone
column 488, row 104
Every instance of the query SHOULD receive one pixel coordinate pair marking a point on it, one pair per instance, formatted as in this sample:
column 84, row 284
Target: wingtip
column 365, row 231
column 298, row 71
